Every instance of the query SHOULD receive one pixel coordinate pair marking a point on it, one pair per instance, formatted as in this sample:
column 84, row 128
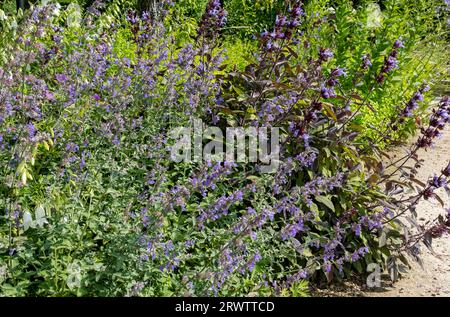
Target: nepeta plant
column 85, row 124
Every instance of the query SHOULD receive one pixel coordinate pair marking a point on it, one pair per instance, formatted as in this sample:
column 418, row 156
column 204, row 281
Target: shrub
column 367, row 30
column 351, row 29
column 92, row 202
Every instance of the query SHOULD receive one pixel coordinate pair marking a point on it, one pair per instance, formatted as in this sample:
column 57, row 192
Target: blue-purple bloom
column 31, row 130
column 61, row 77
column 366, row 62
column 325, row 54
column 357, row 229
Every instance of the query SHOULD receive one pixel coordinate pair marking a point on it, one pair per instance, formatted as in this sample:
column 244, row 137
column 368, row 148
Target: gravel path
column 434, row 278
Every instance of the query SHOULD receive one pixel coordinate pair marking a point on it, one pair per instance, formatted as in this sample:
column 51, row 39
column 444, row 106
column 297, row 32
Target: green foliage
column 369, row 31
column 239, row 53
column 79, row 233
column 249, row 17
column 351, row 30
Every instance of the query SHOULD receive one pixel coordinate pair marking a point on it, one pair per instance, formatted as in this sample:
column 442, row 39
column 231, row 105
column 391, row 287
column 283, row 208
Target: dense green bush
column 92, row 204
column 353, row 32
column 351, row 29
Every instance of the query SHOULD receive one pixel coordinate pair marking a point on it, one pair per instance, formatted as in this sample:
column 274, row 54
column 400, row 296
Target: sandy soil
column 434, row 278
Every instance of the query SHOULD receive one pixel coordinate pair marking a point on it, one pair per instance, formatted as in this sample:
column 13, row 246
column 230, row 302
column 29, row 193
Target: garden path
column 434, row 278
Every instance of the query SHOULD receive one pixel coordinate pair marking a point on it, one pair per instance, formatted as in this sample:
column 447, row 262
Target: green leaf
column 307, row 252
column 2, row 15
column 358, row 266
column 326, row 201
column 27, row 220
column 328, row 108
column 40, row 216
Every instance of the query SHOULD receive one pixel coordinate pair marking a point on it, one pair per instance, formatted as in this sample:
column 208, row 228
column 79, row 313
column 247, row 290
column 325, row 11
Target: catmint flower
column 61, row 78
column 355, row 257
column 446, row 171
column 189, row 243
column 428, row 193
column 413, row 103
column 31, row 130
column 363, row 250
column 357, row 229
column 116, row 140
column 437, row 122
column 327, row 92
column 137, row 288
column 337, row 72
column 303, row 274
column 325, row 54
column 82, row 162
column 306, row 139
column 390, row 62
column 72, row 147
column 291, row 230
column 212, row 20
column 49, row 95
column 280, row 21
column 296, row 10
column 366, row 62
column 438, row 182
column 418, row 96
column 398, row 44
